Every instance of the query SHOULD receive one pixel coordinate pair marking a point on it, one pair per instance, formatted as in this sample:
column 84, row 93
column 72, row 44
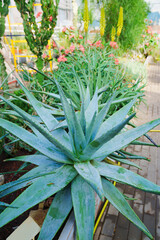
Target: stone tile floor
column 113, row 225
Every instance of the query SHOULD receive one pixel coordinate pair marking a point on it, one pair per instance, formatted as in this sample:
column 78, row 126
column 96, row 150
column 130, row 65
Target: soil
column 7, row 167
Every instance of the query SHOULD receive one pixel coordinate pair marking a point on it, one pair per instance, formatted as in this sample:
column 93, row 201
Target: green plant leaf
column 125, row 176
column 57, row 213
column 86, row 98
column 83, row 199
column 44, row 114
column 62, row 143
column 37, row 159
column 103, row 139
column 91, row 175
column 33, row 141
column 125, row 161
column 115, row 197
column 27, row 179
column 92, row 108
column 79, row 138
column 124, row 139
column 41, row 189
column 100, row 117
column 115, row 119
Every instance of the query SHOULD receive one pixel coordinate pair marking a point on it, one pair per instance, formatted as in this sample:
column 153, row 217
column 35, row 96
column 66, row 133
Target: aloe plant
column 71, row 162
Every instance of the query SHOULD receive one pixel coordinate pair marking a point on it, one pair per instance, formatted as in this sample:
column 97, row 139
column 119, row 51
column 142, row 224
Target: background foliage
column 134, row 14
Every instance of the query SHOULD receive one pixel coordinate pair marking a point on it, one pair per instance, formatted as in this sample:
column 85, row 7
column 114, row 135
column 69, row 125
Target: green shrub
column 135, row 13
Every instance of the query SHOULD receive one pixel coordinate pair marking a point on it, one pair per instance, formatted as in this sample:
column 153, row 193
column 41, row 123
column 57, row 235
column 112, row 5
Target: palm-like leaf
column 76, row 155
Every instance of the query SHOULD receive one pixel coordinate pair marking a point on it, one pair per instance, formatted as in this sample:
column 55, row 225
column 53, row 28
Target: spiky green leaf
column 84, row 208
column 118, row 201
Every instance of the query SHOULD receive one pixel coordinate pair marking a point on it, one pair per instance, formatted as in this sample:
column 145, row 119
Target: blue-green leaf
column 83, row 199
column 100, row 117
column 27, row 179
column 34, row 141
column 62, row 144
column 91, row 175
column 92, row 108
column 57, row 213
column 118, row 201
column 115, row 119
column 44, row 114
column 103, row 139
column 37, row 159
column 41, row 189
column 123, row 139
column 125, row 176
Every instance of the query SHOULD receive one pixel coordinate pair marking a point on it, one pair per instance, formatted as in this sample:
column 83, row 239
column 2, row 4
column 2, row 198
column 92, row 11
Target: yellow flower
column 86, row 16
column 102, row 21
column 120, row 22
column 113, row 33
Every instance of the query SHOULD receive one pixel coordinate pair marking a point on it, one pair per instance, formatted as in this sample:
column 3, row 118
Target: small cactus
column 37, row 37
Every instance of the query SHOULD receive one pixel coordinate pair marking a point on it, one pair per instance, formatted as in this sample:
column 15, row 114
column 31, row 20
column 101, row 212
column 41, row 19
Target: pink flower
column 114, row 45
column 81, row 48
column 44, row 55
column 50, row 18
column 89, row 42
column 61, row 48
column 98, row 43
column 111, row 55
column 71, row 36
column 143, row 36
column 38, row 14
column 80, row 36
column 147, row 44
column 72, row 48
column 62, row 59
column 67, row 51
column 47, row 46
column 116, row 61
column 71, row 27
column 64, row 29
column 54, row 45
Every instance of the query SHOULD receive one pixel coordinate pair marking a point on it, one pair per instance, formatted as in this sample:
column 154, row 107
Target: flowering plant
column 150, row 40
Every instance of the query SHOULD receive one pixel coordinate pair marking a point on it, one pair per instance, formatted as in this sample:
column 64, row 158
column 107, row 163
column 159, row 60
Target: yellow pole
column 12, row 44
column 50, row 55
column 154, row 130
column 8, row 44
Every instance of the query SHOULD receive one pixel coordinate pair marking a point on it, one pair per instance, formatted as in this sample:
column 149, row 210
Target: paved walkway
column 113, row 225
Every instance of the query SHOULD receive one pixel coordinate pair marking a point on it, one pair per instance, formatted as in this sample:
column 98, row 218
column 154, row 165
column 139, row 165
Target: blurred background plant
column 37, row 36
column 150, row 42
column 133, row 20
column 3, row 13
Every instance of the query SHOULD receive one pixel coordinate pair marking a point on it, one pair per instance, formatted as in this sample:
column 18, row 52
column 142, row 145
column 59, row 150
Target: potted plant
column 71, row 162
